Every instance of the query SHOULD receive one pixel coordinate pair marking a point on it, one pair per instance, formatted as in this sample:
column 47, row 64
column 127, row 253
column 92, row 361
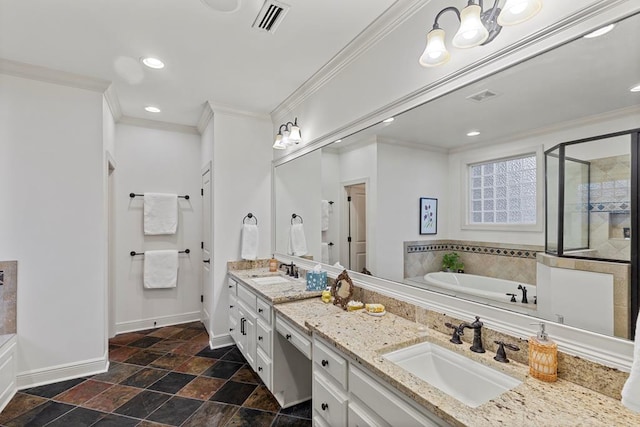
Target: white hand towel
column 160, row 269
column 324, row 215
column 325, row 253
column 249, row 242
column 631, row 389
column 298, row 241
column 160, row 213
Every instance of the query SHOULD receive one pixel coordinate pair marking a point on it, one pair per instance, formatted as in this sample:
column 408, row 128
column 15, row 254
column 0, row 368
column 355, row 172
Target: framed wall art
column 428, row 215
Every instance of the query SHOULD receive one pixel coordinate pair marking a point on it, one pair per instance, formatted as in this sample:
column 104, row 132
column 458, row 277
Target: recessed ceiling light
column 636, row 88
column 223, row 5
column 473, row 133
column 389, row 120
column 151, row 109
column 600, row 31
column 338, row 140
column 153, row 63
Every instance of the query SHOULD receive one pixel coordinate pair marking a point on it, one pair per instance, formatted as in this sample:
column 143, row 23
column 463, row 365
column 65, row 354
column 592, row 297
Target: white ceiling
column 209, row 55
column 584, row 78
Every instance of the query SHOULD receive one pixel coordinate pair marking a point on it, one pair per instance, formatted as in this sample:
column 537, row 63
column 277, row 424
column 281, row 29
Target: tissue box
column 316, row 281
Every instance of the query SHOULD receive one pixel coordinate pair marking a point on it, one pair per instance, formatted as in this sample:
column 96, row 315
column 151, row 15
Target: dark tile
column 194, row 325
column 203, row 338
column 172, row 382
column 79, row 417
column 234, row 355
column 113, row 420
column 190, row 348
column 121, row 354
column 144, row 357
column 145, row 342
column 215, row 353
column 54, row 389
column 111, row 399
column 202, row 388
column 143, row 404
column 175, row 411
column 169, row 361
column 83, row 392
column 246, row 375
column 287, row 421
column 40, row 415
column 125, row 339
column 20, row 404
column 116, row 373
column 262, row 399
column 196, row 365
column 211, row 414
column 301, row 410
column 146, row 423
column 186, row 334
column 246, row 417
column 233, row 393
column 222, row 369
column 165, row 346
column 165, row 332
column 144, row 378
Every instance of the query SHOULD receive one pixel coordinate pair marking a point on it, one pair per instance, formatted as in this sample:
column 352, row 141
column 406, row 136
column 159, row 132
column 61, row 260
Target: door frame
column 344, row 221
column 205, row 315
column 110, row 265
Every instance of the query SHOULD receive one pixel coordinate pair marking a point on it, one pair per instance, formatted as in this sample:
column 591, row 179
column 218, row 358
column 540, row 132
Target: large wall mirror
column 359, row 199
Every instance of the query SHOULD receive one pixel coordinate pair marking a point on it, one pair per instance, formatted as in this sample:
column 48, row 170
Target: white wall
column 152, row 160
column 52, row 222
column 239, row 147
column 404, row 175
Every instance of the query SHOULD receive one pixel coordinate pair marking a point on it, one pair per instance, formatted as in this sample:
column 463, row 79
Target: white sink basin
column 272, row 280
column 470, row 382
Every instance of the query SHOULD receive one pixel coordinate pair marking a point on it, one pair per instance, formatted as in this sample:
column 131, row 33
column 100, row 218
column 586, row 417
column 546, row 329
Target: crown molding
column 394, row 16
column 233, row 111
column 413, row 145
column 113, row 102
column 49, row 75
column 155, row 124
column 205, row 117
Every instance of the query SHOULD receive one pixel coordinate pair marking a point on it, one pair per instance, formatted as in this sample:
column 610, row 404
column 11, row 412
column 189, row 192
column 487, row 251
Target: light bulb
column 517, row 11
column 285, row 138
column 278, row 145
column 436, row 52
column 294, row 135
column 153, row 63
column 471, row 32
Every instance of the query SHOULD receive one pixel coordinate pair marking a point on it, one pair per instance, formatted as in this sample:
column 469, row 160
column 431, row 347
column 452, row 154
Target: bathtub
column 481, row 286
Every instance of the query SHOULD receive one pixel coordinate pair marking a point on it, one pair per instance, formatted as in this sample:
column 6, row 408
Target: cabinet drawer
column 233, row 329
column 232, row 284
column 393, row 409
column 263, row 367
column 248, row 297
column 318, row 421
column 299, row 340
column 329, row 402
column 264, row 337
column 233, row 306
column 359, row 416
column 264, row 311
column 330, row 362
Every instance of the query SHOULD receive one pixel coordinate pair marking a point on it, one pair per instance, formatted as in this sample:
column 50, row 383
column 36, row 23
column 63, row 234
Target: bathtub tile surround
column 8, row 296
column 127, row 395
column 501, row 261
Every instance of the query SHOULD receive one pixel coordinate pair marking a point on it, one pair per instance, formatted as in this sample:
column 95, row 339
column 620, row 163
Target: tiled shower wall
column 8, row 295
column 502, row 261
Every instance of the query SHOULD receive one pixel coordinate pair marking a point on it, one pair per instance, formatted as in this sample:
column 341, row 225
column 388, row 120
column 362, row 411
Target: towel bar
column 134, row 253
column 250, row 215
column 132, row 195
column 294, row 216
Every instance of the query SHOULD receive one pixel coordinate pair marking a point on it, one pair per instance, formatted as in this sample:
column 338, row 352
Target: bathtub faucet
column 477, row 334
column 524, row 294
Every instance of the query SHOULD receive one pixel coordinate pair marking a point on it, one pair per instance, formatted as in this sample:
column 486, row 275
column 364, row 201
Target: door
column 357, row 226
column 207, row 255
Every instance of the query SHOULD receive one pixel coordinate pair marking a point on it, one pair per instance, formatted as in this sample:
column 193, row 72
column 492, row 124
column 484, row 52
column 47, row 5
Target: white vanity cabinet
column 346, row 394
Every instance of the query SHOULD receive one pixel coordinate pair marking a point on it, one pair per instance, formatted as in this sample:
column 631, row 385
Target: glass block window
column 503, row 191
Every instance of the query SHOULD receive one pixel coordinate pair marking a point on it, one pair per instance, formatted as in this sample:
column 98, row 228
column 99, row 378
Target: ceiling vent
column 270, row 16
column 482, row 96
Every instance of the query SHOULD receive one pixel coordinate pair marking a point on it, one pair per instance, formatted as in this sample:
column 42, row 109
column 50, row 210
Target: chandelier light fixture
column 288, row 134
column 477, row 27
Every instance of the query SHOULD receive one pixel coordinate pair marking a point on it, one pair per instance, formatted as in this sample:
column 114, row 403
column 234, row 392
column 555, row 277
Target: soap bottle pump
column 543, row 356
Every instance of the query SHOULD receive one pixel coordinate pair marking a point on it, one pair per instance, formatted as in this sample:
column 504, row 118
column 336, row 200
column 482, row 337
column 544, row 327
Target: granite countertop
column 292, row 290
column 366, row 338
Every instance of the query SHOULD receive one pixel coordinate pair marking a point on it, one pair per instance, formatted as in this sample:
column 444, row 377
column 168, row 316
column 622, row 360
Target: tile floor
column 159, row 377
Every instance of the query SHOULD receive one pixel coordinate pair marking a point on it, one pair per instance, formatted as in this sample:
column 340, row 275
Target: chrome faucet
column 476, row 347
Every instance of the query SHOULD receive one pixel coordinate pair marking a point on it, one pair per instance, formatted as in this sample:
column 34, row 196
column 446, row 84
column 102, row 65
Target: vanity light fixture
column 288, row 134
column 154, row 63
column 473, row 133
column 636, row 88
column 152, row 109
column 477, row 27
column 599, row 32
column 389, row 120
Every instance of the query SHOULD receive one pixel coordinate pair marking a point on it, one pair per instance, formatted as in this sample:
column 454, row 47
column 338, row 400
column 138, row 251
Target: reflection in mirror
column 377, row 176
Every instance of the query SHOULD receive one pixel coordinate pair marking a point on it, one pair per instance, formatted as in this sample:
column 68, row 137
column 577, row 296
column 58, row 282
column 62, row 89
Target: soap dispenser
column 543, row 356
column 273, row 264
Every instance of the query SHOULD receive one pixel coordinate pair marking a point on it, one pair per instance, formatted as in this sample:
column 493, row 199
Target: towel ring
column 250, row 216
column 294, row 216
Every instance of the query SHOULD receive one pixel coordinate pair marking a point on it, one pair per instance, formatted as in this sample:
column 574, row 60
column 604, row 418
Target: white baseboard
column 220, row 341
column 156, row 322
column 68, row 371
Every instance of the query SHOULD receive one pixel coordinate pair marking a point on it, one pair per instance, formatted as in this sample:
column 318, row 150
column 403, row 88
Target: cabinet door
column 251, row 339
